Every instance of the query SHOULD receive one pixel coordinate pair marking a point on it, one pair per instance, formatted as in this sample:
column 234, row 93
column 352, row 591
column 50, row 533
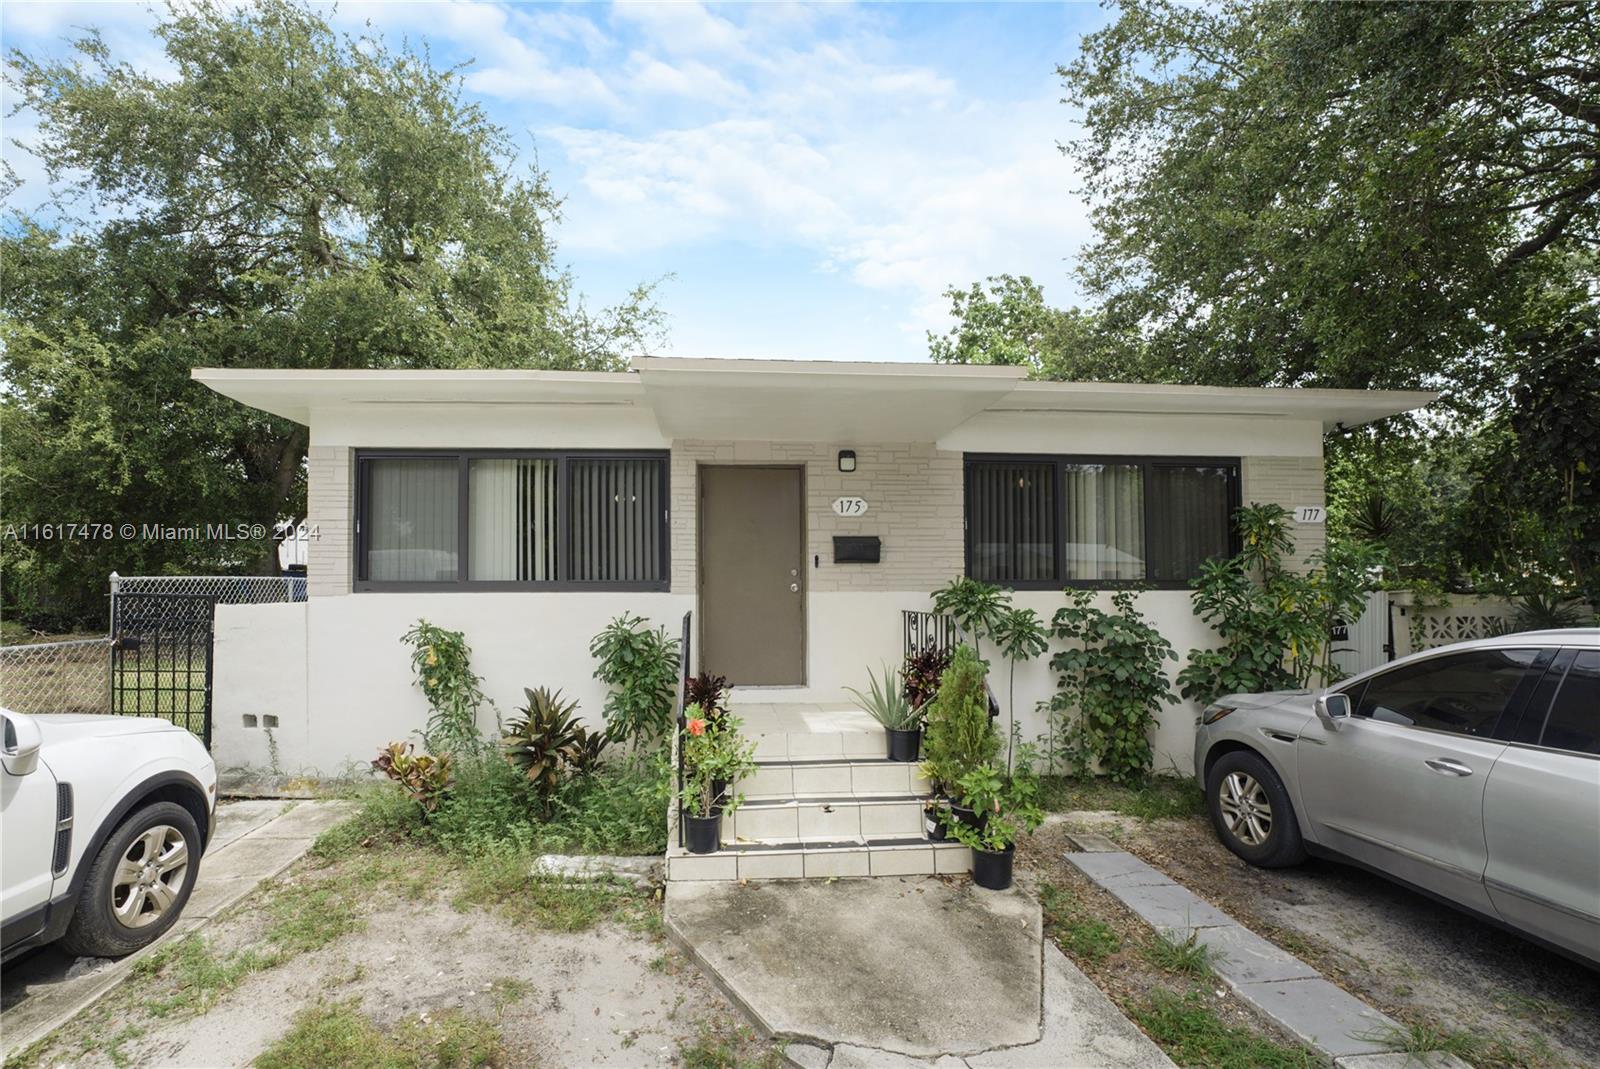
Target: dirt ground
column 1417, row 960
column 615, row 995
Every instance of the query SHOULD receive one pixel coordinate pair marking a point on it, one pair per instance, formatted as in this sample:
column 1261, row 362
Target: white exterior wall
column 358, row 691
column 259, row 670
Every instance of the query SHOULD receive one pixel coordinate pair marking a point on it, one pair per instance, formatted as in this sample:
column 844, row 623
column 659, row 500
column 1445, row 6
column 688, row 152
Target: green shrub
column 490, row 802
column 442, row 663
column 386, row 814
column 959, row 737
column 640, row 665
column 620, row 810
column 977, row 607
column 548, row 744
column 1114, row 680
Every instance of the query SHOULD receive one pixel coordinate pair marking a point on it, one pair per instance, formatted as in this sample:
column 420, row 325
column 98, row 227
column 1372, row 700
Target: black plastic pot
column 992, row 868
column 970, row 817
column 703, row 835
column 933, row 822
column 904, row 745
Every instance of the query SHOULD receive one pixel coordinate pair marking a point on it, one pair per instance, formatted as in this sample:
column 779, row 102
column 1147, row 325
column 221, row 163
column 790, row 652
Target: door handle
column 1447, row 766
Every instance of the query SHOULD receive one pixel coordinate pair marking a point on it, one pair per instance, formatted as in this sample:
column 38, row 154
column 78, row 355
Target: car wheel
column 1250, row 810
column 138, row 883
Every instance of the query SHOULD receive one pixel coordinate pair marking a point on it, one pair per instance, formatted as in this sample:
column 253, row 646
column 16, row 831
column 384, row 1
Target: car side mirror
column 1332, row 708
column 19, row 754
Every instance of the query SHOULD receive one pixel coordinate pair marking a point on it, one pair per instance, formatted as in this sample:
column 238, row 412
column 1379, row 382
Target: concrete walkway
column 1325, row 1017
column 254, row 841
column 902, row 973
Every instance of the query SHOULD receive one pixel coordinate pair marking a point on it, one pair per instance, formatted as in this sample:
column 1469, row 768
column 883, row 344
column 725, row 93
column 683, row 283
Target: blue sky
column 812, row 176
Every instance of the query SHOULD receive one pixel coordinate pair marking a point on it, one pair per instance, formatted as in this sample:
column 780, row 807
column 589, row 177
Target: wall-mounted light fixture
column 847, row 460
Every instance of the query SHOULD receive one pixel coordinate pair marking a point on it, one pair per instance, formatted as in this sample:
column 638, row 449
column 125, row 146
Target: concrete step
column 859, row 778
column 785, row 861
column 797, row 821
column 778, row 745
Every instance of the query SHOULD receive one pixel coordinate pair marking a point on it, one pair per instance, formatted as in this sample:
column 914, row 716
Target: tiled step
column 799, row 821
column 864, row 778
column 814, row 745
column 899, row 857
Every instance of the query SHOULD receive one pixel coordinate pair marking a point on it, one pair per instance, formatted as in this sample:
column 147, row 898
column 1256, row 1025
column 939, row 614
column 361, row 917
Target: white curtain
column 411, row 520
column 511, row 519
column 1105, row 521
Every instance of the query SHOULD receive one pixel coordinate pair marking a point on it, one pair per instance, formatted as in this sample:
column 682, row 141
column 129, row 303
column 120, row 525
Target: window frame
column 464, row 457
column 1059, row 462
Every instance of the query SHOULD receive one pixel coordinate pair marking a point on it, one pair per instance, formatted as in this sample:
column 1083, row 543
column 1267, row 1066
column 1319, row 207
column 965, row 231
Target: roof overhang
column 809, row 401
column 296, row 394
column 793, row 400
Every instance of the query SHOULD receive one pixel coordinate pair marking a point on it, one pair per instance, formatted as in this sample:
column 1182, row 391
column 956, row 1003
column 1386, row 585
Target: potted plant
column 1010, row 807
column 887, row 705
column 959, row 736
column 713, row 750
column 710, row 693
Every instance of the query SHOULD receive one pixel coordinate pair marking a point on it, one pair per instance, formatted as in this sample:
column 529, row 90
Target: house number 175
column 850, row 506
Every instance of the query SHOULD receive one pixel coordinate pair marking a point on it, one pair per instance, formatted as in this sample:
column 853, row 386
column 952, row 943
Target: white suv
column 102, row 823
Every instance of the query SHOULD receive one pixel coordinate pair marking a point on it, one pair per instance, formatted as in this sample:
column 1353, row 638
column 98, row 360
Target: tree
column 288, row 198
column 1338, row 194
column 1009, row 323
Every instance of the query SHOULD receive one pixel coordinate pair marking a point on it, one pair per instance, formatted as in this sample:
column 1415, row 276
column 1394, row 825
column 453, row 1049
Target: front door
column 752, row 575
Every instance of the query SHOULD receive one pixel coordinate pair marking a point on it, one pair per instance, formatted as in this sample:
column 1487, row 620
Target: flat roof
column 793, row 400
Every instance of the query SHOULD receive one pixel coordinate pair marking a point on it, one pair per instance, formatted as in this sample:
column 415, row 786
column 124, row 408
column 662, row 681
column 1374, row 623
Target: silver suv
column 1469, row 772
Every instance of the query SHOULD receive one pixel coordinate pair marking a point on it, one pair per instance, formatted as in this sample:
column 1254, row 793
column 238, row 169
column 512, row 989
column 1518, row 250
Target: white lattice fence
column 1460, row 619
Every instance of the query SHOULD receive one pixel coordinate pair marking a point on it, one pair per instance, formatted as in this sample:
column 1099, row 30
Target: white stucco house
column 796, row 507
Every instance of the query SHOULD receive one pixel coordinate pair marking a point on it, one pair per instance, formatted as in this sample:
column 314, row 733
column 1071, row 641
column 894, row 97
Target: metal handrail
column 681, row 721
column 933, row 630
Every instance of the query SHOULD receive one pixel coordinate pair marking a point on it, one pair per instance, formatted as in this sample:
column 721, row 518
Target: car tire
column 1251, row 811
column 138, row 883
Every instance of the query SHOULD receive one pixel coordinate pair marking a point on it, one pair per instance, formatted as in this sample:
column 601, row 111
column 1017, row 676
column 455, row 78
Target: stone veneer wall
column 1290, row 482
column 913, row 494
column 330, row 503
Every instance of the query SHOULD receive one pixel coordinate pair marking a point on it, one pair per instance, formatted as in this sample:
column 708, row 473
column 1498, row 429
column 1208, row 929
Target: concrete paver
column 47, row 988
column 1434, row 1059
column 1284, row 988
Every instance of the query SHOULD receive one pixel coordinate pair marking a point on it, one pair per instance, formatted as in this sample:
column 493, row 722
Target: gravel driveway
column 1421, row 961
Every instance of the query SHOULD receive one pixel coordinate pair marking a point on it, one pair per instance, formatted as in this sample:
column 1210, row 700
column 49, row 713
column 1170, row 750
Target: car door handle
column 1447, row 767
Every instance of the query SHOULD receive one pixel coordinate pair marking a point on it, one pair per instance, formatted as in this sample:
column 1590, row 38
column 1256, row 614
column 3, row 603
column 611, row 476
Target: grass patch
column 1073, row 928
column 1186, row 957
column 499, row 879
column 727, row 1047
column 1153, row 798
column 1195, row 1037
column 340, row 1034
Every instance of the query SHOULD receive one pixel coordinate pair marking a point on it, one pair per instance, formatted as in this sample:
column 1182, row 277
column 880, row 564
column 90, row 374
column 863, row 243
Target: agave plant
column 546, row 741
column 887, row 702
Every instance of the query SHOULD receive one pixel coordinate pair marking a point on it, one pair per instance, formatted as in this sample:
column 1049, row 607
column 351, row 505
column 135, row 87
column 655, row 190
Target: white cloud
column 683, row 28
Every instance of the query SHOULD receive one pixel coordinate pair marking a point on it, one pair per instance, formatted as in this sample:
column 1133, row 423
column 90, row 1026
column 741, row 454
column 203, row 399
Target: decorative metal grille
column 927, row 631
column 1433, row 628
column 161, row 658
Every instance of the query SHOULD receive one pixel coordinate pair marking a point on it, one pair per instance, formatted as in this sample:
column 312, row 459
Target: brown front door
column 752, row 575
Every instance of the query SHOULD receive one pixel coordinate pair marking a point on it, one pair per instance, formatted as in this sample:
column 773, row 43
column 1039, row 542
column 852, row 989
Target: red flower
column 697, row 727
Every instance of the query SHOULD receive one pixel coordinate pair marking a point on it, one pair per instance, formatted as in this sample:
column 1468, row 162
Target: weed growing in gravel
column 340, row 1034
column 1186, row 957
column 724, row 1047
column 499, row 878
column 1194, row 1036
column 1073, row 929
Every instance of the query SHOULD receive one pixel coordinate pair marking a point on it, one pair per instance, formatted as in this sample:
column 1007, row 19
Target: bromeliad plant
column 548, row 744
column 442, row 663
column 713, row 752
column 424, row 776
column 921, row 674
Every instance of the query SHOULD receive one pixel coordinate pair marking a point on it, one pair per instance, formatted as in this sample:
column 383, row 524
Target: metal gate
column 161, row 658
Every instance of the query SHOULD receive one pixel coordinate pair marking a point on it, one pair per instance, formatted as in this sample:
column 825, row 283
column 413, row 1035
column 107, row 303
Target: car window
column 1574, row 721
column 1463, row 693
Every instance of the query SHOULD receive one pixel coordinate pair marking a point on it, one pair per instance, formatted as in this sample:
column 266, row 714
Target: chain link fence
column 57, row 677
column 224, row 589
